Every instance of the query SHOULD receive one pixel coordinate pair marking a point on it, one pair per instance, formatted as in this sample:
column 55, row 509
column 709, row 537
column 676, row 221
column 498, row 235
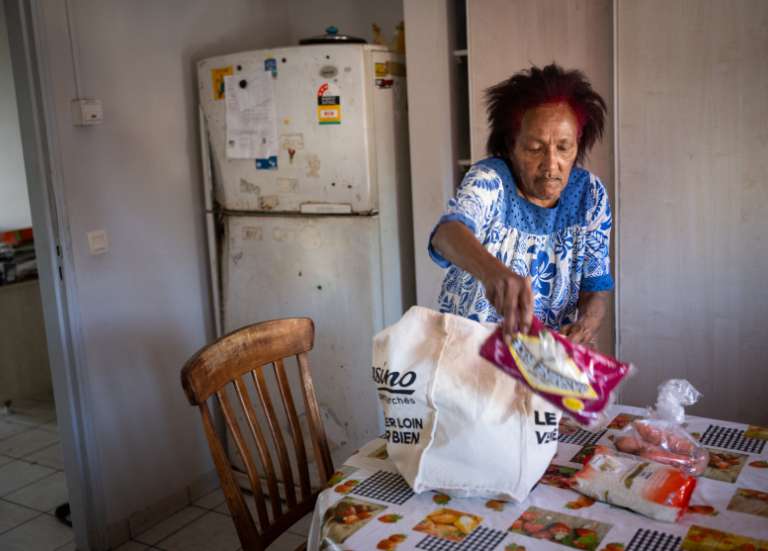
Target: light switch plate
column 87, row 112
column 98, row 242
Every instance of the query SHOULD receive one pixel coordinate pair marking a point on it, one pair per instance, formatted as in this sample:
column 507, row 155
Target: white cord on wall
column 72, row 49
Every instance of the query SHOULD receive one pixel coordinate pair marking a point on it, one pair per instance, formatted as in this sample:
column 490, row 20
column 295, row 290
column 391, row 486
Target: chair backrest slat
column 319, row 439
column 246, row 528
column 298, row 440
column 274, row 428
column 261, row 445
column 250, row 469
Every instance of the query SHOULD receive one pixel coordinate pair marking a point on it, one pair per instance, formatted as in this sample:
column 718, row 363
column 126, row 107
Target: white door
column 326, row 268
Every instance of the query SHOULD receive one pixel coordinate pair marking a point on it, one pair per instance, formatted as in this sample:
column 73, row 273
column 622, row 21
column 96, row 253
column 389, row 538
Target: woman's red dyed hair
column 509, row 100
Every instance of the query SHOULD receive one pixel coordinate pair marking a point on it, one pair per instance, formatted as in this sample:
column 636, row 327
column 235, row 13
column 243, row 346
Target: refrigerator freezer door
column 325, row 268
column 323, row 125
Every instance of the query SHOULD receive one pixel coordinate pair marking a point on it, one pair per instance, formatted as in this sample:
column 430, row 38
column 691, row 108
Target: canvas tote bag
column 453, row 422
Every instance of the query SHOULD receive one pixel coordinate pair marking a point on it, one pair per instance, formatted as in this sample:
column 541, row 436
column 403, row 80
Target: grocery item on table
column 662, row 438
column 576, row 379
column 646, row 487
column 664, row 442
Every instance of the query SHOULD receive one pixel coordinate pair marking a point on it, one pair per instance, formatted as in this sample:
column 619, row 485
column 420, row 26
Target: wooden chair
column 229, row 361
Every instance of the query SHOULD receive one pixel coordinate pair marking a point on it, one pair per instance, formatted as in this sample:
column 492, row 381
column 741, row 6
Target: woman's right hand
column 511, row 296
column 509, row 293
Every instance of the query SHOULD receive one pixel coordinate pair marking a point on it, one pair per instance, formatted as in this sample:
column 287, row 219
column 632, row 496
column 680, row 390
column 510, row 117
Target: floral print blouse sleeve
column 476, row 205
column 597, row 262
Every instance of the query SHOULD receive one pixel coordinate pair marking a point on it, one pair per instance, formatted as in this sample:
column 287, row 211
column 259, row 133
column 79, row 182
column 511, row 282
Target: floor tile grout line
column 22, row 523
column 175, row 531
column 23, row 506
column 2, row 438
column 28, row 484
column 23, row 457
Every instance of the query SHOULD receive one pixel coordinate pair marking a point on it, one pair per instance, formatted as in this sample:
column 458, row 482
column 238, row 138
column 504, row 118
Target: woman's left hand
column 592, row 308
column 580, row 333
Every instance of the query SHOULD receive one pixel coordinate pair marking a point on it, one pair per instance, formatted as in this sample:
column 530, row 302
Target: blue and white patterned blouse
column 563, row 249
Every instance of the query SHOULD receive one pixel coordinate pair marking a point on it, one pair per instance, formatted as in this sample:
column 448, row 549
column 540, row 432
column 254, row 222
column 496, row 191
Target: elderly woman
column 528, row 230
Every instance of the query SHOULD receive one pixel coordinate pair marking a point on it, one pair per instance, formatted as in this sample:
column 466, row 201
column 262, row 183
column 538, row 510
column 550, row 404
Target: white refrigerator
column 323, row 230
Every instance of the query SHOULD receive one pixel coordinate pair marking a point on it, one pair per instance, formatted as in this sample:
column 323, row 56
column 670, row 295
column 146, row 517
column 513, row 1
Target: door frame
column 55, row 264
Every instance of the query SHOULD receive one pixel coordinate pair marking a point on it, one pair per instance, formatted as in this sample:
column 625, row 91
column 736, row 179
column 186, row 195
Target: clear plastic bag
column 578, row 380
column 662, row 438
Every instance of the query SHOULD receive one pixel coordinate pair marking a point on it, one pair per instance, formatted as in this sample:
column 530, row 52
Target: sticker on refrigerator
column 270, row 65
column 384, row 82
column 328, row 106
column 381, row 69
column 267, row 163
column 217, row 80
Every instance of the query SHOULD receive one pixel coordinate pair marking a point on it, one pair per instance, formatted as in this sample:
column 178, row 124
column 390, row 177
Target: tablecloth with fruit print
column 368, row 505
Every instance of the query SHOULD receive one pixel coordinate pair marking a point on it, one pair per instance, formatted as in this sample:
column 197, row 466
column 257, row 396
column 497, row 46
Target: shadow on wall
column 145, row 421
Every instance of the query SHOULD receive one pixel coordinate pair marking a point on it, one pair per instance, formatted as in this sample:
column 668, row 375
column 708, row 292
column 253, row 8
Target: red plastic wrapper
column 576, row 379
column 649, row 488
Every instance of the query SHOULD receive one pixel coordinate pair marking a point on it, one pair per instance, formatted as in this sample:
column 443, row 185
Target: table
column 383, row 513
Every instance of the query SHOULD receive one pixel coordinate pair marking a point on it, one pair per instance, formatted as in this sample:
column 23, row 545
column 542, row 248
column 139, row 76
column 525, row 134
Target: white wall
column 14, row 201
column 693, row 175
column 431, row 95
column 352, row 17
column 144, row 305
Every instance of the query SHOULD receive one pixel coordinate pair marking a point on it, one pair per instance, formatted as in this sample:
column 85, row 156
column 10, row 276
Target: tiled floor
column 32, row 482
column 32, row 485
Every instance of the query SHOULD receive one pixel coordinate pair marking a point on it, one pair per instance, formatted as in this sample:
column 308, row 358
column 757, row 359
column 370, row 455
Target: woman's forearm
column 592, row 308
column 509, row 293
column 458, row 245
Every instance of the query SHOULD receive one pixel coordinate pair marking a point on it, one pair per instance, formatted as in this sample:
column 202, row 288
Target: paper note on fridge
column 251, row 116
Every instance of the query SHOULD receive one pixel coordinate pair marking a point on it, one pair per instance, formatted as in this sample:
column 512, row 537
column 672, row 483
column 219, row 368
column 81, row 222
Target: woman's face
column 544, row 152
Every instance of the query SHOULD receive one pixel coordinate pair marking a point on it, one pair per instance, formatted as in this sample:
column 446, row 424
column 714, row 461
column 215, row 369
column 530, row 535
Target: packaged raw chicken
column 646, row 487
column 662, row 438
column 576, row 379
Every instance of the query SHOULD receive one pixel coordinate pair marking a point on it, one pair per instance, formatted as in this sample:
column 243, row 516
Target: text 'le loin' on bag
column 453, row 422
